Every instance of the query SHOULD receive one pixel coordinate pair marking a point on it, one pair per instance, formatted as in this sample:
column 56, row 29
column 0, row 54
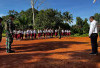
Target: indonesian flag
column 94, row 1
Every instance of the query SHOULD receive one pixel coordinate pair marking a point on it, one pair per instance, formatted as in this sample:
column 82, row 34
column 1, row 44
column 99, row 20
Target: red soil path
column 70, row 52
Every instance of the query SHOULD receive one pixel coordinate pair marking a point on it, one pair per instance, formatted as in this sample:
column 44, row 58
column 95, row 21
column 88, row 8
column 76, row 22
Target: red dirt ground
column 70, row 52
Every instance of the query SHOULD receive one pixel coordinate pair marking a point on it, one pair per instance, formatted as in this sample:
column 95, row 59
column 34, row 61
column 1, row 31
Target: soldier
column 59, row 32
column 9, row 31
column 1, row 29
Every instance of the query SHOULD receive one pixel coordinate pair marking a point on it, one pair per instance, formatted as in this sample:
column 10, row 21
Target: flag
column 94, row 1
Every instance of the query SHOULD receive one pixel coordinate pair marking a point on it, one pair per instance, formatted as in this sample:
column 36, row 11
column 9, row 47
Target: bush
column 78, row 35
column 85, row 35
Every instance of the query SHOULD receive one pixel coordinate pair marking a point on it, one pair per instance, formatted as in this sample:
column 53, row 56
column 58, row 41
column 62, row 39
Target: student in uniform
column 44, row 33
column 25, row 33
column 35, row 33
column 31, row 34
column 65, row 32
column 28, row 33
column 39, row 34
column 51, row 33
column 62, row 32
column 19, row 35
column 22, row 34
column 56, row 32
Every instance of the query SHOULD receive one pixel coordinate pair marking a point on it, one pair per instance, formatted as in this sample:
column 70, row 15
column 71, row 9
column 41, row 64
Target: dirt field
column 70, row 52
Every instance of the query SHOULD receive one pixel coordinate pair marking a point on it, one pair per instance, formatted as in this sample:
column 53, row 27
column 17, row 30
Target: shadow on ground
column 46, row 46
column 42, row 60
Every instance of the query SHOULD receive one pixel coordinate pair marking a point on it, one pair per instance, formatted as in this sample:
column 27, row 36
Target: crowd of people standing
column 34, row 34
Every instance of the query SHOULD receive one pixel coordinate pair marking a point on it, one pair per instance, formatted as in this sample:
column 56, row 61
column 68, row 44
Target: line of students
column 32, row 34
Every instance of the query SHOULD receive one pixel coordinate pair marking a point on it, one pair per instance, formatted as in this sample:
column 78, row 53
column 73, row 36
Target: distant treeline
column 49, row 19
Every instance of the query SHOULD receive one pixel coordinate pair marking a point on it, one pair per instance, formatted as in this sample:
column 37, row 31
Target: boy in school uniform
column 51, row 33
column 56, row 32
column 62, row 32
column 67, row 32
column 35, row 33
column 19, row 35
column 28, row 33
column 44, row 33
column 25, row 33
column 39, row 34
column 31, row 34
column 22, row 34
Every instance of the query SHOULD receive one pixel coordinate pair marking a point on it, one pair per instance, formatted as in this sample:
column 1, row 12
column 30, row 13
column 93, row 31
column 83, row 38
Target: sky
column 79, row 8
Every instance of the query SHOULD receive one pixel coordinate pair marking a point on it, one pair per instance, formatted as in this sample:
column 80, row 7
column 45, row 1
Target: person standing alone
column 93, row 35
column 1, row 29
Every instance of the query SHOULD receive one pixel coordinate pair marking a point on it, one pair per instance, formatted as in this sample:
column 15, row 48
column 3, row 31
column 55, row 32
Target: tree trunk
column 32, row 3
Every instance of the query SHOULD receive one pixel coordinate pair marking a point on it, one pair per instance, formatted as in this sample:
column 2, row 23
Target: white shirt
column 40, row 31
column 93, row 27
column 22, row 32
column 69, row 31
column 51, row 31
column 31, row 31
column 44, row 31
column 19, row 32
column 35, row 31
column 55, row 30
column 65, row 31
column 28, row 32
column 62, row 31
column 25, row 32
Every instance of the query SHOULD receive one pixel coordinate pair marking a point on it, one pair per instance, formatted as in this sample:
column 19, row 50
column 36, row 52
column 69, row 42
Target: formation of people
column 34, row 34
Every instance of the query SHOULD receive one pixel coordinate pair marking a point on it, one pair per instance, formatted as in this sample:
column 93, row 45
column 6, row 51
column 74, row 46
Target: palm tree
column 67, row 17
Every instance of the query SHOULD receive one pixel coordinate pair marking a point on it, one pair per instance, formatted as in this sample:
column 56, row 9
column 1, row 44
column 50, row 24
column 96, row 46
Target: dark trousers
column 94, row 44
column 59, row 35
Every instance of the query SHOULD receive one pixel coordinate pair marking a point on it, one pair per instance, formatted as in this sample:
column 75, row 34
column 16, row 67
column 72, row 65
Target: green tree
column 97, row 17
column 67, row 17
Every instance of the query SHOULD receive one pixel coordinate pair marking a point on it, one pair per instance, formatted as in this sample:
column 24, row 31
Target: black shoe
column 11, row 51
column 93, row 53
